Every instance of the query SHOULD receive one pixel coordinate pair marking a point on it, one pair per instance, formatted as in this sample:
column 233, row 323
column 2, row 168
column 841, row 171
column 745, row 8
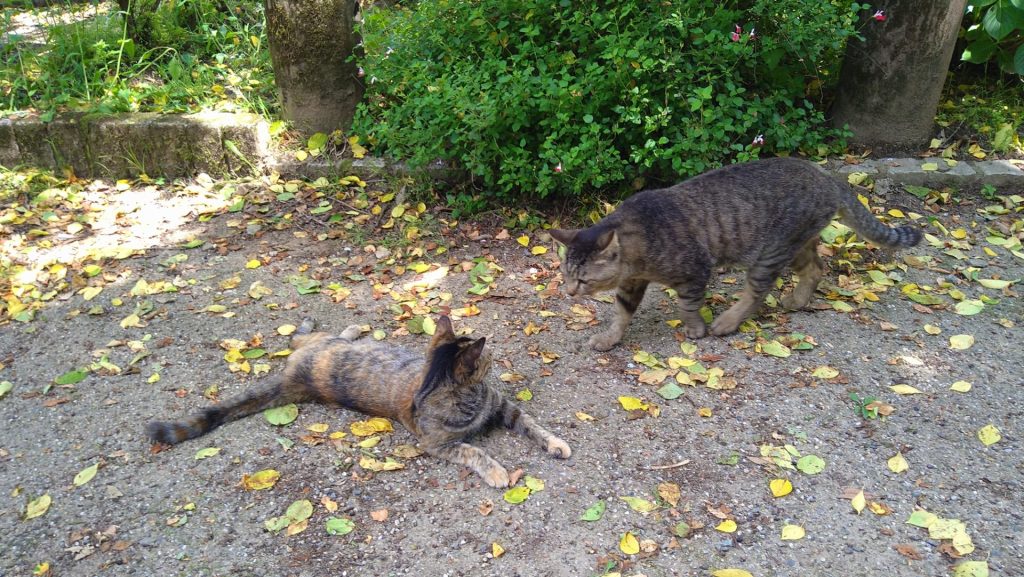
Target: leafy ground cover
column 876, row 434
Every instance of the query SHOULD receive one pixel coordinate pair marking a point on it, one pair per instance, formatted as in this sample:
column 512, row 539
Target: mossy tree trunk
column 310, row 43
column 890, row 83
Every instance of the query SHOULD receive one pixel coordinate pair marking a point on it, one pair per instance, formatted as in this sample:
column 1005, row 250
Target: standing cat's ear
column 469, row 357
column 443, row 331
column 608, row 241
column 564, row 236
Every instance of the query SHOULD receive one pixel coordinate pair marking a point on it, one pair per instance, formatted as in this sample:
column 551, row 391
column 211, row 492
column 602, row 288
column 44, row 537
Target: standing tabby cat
column 441, row 399
column 762, row 215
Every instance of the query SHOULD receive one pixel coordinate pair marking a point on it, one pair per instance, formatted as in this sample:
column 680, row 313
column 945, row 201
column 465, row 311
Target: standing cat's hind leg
column 808, row 268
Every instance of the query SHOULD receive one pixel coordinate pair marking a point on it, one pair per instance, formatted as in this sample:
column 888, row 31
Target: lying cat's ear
column 470, row 356
column 565, row 236
column 608, row 241
column 443, row 331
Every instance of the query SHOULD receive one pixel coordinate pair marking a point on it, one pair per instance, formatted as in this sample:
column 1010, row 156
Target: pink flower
column 758, row 140
column 361, row 72
column 736, row 35
column 558, row 168
column 879, row 16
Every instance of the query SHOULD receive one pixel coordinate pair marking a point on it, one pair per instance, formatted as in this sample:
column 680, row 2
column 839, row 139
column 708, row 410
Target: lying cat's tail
column 856, row 216
column 265, row 397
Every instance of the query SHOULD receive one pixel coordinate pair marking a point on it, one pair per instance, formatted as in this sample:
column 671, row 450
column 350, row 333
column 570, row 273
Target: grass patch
column 80, row 57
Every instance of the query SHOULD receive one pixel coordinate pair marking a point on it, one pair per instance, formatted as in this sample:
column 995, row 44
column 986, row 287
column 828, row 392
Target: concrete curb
column 224, row 144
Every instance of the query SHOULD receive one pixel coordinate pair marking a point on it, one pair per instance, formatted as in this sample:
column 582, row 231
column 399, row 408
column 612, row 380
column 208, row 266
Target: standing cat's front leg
column 475, row 458
column 691, row 297
column 627, row 298
column 516, row 420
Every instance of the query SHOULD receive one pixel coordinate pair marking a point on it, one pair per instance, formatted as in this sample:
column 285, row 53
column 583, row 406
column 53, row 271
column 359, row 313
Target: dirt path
column 244, row 275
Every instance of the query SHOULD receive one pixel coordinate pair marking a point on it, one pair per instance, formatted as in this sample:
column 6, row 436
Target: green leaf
column 37, row 507
column 918, row 191
column 681, row 529
column 638, row 504
column 71, row 377
column 594, row 512
column 282, row 415
column 1018, row 60
column 999, row 21
column 1003, row 139
column 253, row 353
column 317, row 141
column 275, row 524
column 339, row 526
column 206, row 453
column 670, row 391
column 921, row 518
column 775, row 349
column 969, row 307
column 533, row 483
column 86, row 475
column 299, row 510
column 811, row 464
column 971, row 569
column 5, row 387
column 516, row 495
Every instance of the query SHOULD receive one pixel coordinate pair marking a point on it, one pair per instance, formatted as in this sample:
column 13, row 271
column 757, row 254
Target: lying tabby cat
column 442, row 399
column 763, row 215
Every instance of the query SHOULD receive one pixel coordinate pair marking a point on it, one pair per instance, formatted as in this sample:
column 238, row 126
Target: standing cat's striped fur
column 763, row 215
column 442, row 398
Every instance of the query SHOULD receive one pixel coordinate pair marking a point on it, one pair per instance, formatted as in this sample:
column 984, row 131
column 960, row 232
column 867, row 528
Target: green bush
column 552, row 97
column 995, row 32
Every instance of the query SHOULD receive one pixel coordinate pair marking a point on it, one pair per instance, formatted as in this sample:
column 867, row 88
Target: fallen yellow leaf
column 858, row 502
column 371, row 427
column 628, row 544
column 989, row 435
column 898, row 464
column 792, row 532
column 960, row 386
column 780, row 487
column 727, row 526
column 905, row 390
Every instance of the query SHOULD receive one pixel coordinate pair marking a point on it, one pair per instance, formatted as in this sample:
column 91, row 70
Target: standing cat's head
column 592, row 260
column 454, row 360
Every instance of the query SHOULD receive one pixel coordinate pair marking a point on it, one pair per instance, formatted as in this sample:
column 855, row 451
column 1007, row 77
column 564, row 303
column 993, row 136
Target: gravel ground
column 150, row 511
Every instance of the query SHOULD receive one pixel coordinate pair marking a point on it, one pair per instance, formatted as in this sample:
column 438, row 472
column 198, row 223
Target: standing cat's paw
column 695, row 331
column 604, row 341
column 725, row 325
column 791, row 303
column 559, row 448
column 496, row 477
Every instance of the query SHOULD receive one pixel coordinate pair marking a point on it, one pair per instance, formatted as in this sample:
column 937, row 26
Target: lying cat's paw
column 496, row 477
column 559, row 448
column 351, row 333
column 604, row 341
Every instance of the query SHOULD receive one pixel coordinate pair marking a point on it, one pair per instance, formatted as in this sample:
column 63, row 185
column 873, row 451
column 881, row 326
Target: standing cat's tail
column 265, row 397
column 854, row 215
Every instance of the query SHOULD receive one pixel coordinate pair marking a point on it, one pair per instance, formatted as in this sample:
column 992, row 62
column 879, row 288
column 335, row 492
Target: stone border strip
column 224, row 144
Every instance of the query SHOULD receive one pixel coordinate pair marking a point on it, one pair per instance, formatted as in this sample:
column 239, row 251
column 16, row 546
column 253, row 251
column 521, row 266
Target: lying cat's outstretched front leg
column 515, row 419
column 475, row 458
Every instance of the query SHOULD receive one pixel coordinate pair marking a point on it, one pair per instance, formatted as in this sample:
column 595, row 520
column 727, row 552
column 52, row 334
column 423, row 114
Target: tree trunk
column 890, row 84
column 310, row 42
